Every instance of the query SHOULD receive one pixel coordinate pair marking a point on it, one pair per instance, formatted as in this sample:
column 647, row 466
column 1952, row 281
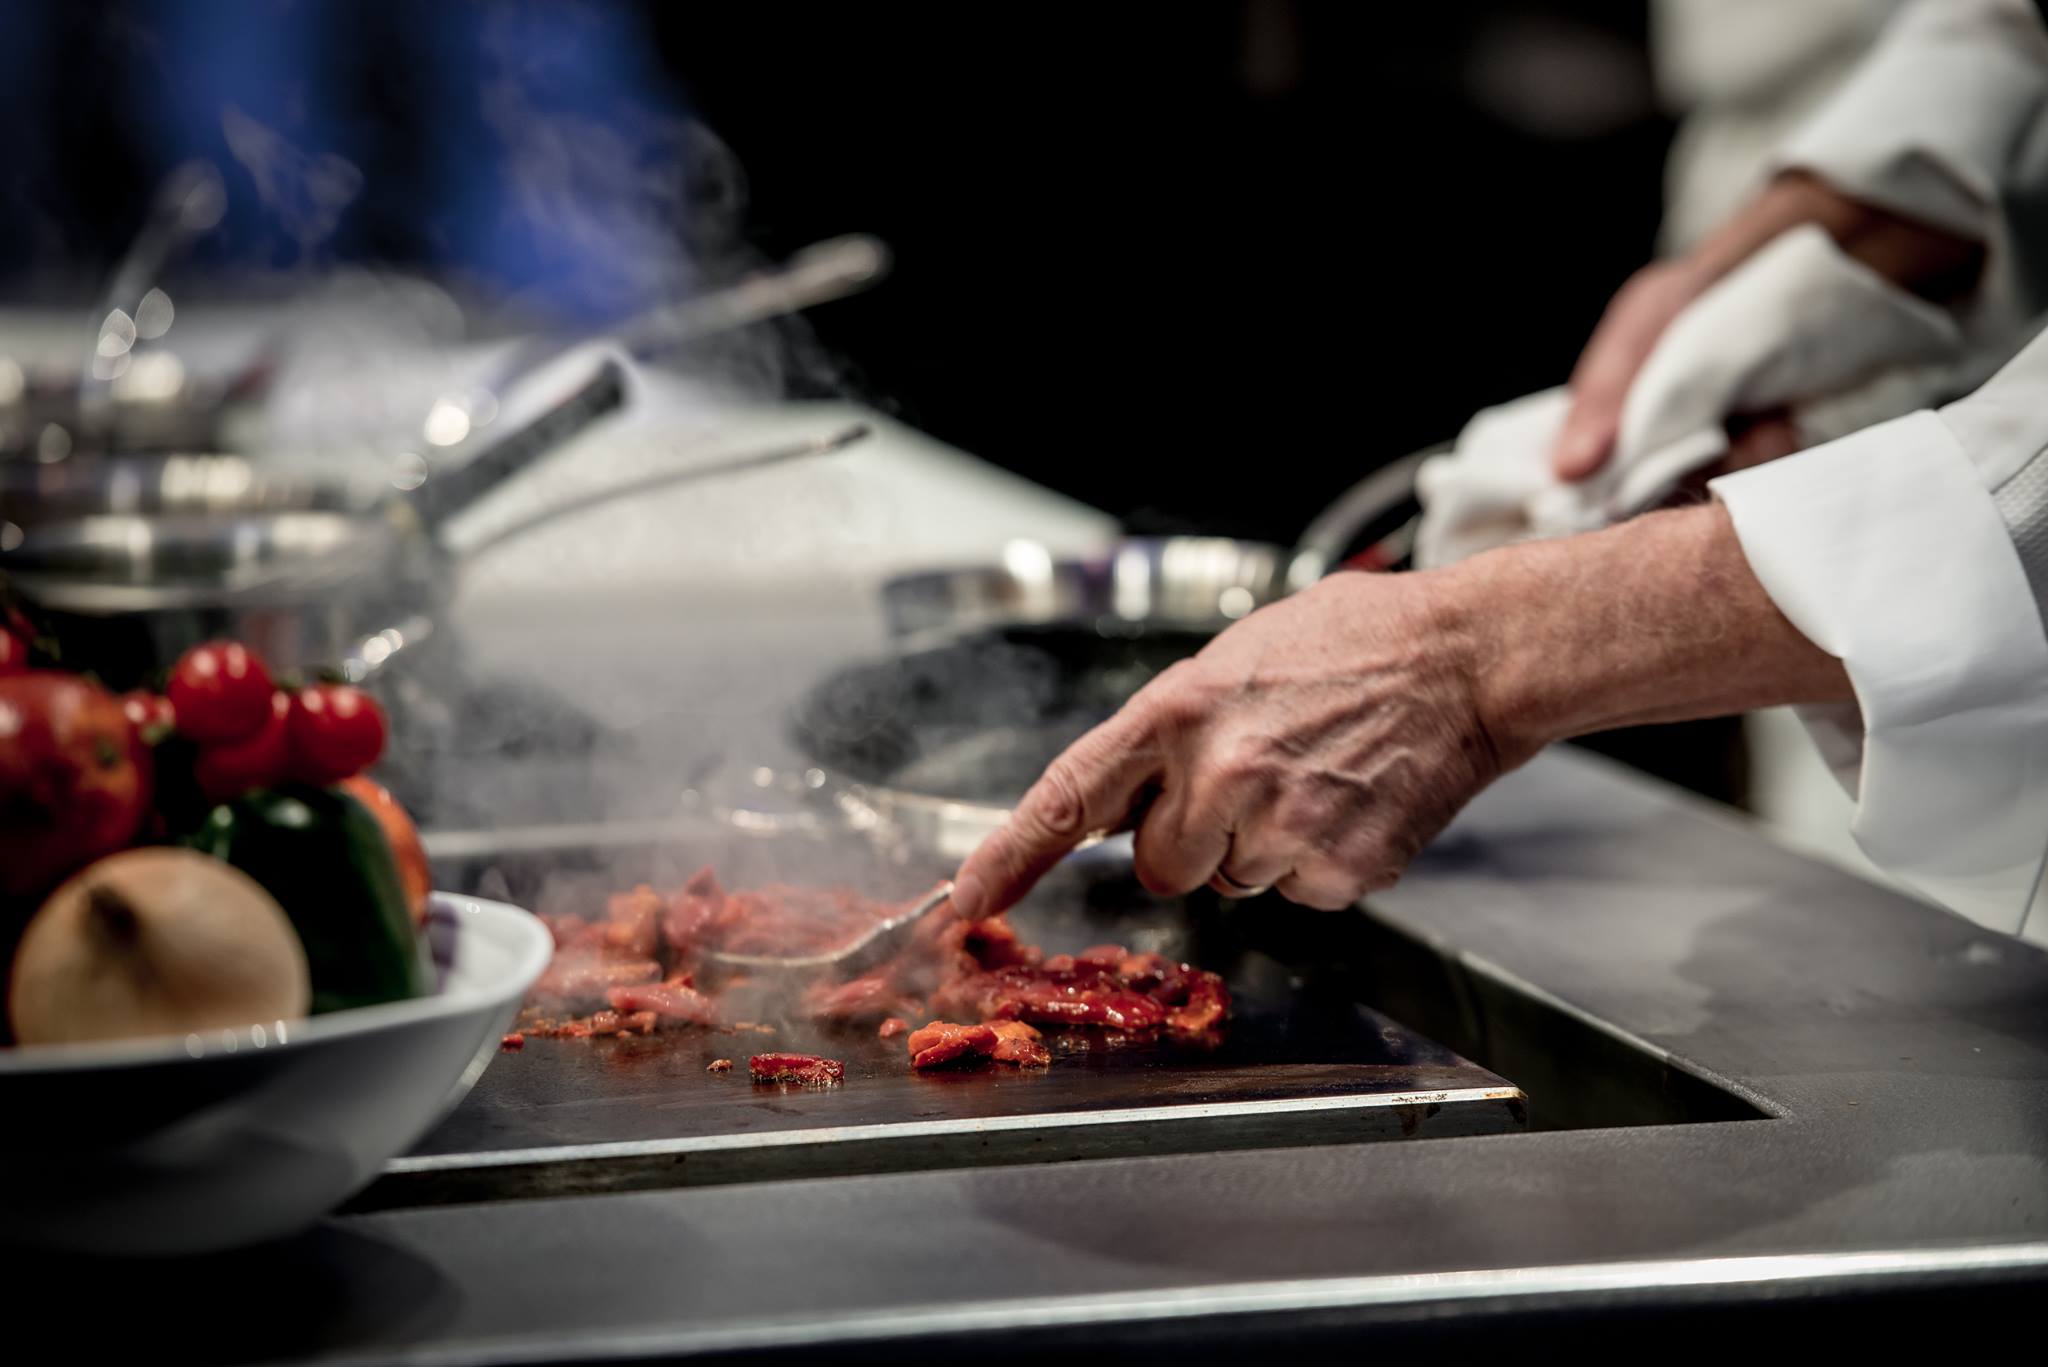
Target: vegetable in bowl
column 258, row 779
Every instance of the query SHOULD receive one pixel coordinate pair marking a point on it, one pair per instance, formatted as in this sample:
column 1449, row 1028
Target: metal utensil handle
column 373, row 651
column 818, row 274
column 878, row 942
column 187, row 206
column 1322, row 545
column 828, row 270
column 837, row 440
column 596, row 394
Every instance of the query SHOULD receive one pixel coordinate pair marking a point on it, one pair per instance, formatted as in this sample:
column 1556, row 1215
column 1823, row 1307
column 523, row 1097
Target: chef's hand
column 1928, row 261
column 1627, row 332
column 1317, row 745
column 1312, row 748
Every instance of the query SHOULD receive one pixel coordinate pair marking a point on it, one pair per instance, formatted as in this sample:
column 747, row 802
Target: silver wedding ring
column 1230, row 887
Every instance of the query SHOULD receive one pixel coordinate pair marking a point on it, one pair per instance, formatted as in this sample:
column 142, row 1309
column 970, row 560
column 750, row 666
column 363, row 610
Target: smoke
column 620, row 203
column 642, row 207
column 306, row 192
column 647, row 218
column 600, row 206
column 572, row 196
column 533, row 709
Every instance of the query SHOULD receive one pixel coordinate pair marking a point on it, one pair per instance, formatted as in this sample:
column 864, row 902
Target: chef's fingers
column 1322, row 886
column 1628, row 330
column 1335, row 877
column 1263, row 851
column 1599, row 383
column 1141, row 807
column 1759, row 439
column 1322, row 850
column 1088, row 789
column 1182, row 839
column 1753, row 439
column 1250, row 867
column 1215, row 817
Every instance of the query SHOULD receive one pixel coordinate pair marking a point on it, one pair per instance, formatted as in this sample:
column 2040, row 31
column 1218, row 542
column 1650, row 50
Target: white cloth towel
column 1799, row 321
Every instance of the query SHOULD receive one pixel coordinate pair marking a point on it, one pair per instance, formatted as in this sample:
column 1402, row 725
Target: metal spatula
column 872, row 946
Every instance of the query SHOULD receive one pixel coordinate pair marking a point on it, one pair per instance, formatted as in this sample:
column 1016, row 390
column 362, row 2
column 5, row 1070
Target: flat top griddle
column 1303, row 1061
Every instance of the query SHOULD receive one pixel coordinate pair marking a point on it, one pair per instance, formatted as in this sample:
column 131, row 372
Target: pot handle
column 1328, row 543
column 822, row 272
column 593, row 395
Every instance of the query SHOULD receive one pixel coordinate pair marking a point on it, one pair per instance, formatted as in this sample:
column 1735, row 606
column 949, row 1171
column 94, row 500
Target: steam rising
column 645, row 213
column 307, row 192
column 643, row 209
column 621, row 204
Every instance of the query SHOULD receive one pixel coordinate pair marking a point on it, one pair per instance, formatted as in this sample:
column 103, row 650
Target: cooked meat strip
column 676, row 1001
column 943, row 1042
column 691, row 913
column 631, row 929
column 1019, row 1044
column 1052, row 996
column 582, row 979
column 808, row 1070
column 869, row 998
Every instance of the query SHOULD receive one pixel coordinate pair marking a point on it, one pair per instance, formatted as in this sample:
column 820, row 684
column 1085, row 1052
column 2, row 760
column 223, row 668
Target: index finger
column 1627, row 331
column 1090, row 788
column 1599, row 384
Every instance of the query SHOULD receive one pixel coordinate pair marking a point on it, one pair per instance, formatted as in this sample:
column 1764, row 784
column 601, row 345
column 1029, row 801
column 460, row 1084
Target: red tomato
column 13, row 655
column 74, row 779
column 336, row 732
column 226, row 771
column 221, row 692
column 149, row 714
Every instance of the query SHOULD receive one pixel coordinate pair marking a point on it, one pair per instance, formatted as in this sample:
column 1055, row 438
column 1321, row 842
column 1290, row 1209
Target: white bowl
column 183, row 1145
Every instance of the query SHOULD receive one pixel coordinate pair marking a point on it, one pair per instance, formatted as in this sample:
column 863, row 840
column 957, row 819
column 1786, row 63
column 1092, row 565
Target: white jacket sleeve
column 1917, row 553
column 1931, row 123
column 1941, row 122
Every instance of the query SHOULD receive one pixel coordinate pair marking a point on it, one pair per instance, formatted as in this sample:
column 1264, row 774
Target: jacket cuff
column 1886, row 550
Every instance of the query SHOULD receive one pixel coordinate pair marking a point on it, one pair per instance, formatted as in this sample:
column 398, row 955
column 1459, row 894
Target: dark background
column 1201, row 264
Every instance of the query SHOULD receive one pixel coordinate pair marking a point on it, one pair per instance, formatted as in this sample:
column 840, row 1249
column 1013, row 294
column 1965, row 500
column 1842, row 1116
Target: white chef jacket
column 1916, row 551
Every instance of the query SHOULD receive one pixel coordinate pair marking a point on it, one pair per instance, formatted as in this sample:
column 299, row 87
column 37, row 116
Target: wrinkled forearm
column 1658, row 619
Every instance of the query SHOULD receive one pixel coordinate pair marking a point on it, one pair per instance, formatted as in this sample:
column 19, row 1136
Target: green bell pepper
column 323, row 856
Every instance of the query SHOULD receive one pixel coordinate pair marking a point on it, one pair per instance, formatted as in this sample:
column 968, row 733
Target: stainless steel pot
column 133, row 558
column 140, row 553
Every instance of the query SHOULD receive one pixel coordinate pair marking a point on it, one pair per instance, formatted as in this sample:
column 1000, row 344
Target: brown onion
column 155, row 942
